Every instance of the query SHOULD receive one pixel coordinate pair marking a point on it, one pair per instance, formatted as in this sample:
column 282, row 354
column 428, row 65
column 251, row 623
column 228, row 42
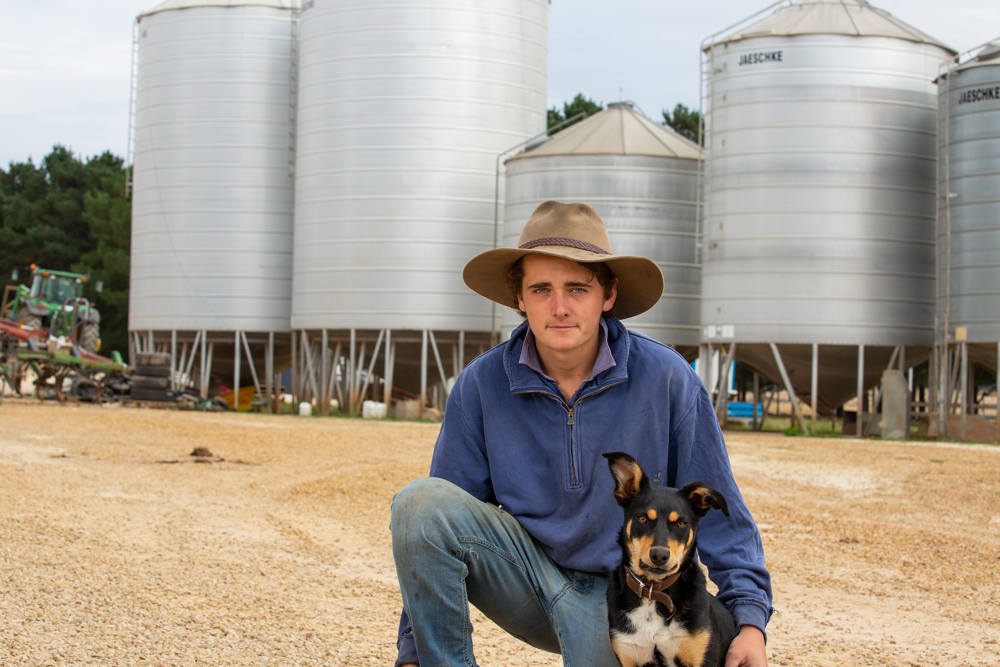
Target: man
column 518, row 515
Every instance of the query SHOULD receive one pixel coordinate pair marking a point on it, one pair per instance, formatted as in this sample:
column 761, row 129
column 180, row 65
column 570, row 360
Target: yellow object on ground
column 246, row 396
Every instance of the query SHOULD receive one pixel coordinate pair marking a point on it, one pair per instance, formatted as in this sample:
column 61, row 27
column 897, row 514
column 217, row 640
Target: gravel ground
column 118, row 548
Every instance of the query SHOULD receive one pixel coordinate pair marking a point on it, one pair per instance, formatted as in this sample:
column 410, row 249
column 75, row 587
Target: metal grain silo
column 819, row 193
column 403, row 109
column 213, row 195
column 968, row 316
column 643, row 181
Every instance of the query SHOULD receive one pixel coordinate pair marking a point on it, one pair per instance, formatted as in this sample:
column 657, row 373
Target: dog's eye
column 642, row 518
column 681, row 524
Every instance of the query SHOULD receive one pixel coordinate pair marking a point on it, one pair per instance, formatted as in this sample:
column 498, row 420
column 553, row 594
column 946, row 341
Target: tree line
column 682, row 120
column 71, row 214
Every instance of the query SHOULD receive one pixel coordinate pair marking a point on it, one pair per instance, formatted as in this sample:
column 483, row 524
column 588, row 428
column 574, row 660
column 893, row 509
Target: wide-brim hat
column 575, row 232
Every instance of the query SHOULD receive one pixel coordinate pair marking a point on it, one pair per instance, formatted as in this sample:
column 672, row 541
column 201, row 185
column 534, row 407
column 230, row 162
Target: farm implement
column 60, row 368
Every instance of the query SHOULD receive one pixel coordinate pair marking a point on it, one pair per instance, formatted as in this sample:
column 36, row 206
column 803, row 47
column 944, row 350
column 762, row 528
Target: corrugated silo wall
column 403, row 109
column 820, row 190
column 213, row 198
column 969, row 208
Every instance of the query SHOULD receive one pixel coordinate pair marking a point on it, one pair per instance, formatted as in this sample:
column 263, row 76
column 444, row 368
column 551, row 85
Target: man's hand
column 747, row 649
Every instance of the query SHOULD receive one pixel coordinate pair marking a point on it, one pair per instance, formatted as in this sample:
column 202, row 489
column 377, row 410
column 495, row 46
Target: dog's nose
column 659, row 556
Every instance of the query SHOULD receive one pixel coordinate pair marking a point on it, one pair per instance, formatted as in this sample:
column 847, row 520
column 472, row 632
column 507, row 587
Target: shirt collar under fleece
column 604, row 361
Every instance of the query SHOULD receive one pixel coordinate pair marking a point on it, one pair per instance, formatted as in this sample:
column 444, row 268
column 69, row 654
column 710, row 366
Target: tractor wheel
column 25, row 317
column 90, row 337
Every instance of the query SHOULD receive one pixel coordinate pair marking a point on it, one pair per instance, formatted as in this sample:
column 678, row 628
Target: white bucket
column 374, row 410
column 305, row 409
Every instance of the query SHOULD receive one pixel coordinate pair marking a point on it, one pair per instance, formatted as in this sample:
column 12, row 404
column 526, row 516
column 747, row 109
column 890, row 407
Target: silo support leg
column 236, row 374
column 892, row 359
column 814, row 386
column 423, row 370
column 437, row 358
column 756, row 400
column 269, row 373
column 796, row 408
column 964, row 392
column 387, row 372
column 294, row 389
column 861, row 391
column 204, row 370
column 182, row 366
column 390, row 378
column 340, row 388
column 208, row 366
column 324, row 376
column 253, row 369
column 722, row 398
column 331, row 388
column 310, row 367
column 953, row 385
column 349, row 378
column 371, row 365
column 173, row 359
column 767, row 406
column 356, row 375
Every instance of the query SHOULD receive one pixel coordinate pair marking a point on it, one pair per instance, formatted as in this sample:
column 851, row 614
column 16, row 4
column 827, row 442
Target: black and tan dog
column 659, row 610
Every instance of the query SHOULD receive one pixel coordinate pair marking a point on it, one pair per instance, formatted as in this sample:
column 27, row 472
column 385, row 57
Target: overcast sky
column 64, row 64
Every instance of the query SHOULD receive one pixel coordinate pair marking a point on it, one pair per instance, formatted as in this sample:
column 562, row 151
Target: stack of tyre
column 151, row 379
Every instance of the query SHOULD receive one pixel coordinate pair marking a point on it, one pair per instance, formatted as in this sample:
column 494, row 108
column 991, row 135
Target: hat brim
column 640, row 281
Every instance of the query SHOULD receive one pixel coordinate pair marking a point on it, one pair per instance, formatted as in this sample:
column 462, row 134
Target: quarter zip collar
column 525, row 379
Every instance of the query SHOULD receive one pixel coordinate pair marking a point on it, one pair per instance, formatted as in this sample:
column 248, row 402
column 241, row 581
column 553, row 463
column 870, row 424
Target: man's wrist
column 750, row 615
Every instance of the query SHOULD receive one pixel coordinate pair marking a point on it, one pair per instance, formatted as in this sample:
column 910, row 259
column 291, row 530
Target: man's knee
column 426, row 510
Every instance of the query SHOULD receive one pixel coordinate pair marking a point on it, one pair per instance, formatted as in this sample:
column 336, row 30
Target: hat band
column 562, row 240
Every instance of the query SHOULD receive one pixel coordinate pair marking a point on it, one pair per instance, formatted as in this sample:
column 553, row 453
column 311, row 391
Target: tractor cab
column 54, row 302
column 55, row 287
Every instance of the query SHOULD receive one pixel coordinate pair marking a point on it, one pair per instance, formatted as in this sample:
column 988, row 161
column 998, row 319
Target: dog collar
column 653, row 592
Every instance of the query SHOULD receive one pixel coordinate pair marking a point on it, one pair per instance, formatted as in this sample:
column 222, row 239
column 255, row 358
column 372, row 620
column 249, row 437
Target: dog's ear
column 629, row 478
column 703, row 498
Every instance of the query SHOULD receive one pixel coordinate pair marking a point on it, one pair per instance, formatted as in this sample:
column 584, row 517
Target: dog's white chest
column 650, row 633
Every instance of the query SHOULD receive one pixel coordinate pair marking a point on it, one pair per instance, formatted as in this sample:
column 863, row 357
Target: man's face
column 563, row 302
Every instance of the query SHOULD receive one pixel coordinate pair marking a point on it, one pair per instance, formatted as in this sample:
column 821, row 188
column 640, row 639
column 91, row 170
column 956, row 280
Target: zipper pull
column 570, row 422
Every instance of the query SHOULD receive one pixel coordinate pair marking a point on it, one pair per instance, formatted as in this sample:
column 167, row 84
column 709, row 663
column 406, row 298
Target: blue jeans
column 452, row 549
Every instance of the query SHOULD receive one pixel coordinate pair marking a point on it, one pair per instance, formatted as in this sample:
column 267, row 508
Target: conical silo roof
column 832, row 17
column 618, row 130
column 187, row 4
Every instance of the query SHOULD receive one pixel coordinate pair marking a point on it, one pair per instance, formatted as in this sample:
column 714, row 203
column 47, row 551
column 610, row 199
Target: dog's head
column 658, row 535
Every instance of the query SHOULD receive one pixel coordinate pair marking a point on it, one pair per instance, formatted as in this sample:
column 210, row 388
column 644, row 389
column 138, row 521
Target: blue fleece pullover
column 510, row 438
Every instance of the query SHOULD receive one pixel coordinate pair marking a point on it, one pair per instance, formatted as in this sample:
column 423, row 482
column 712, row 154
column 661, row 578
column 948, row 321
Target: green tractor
column 55, row 302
